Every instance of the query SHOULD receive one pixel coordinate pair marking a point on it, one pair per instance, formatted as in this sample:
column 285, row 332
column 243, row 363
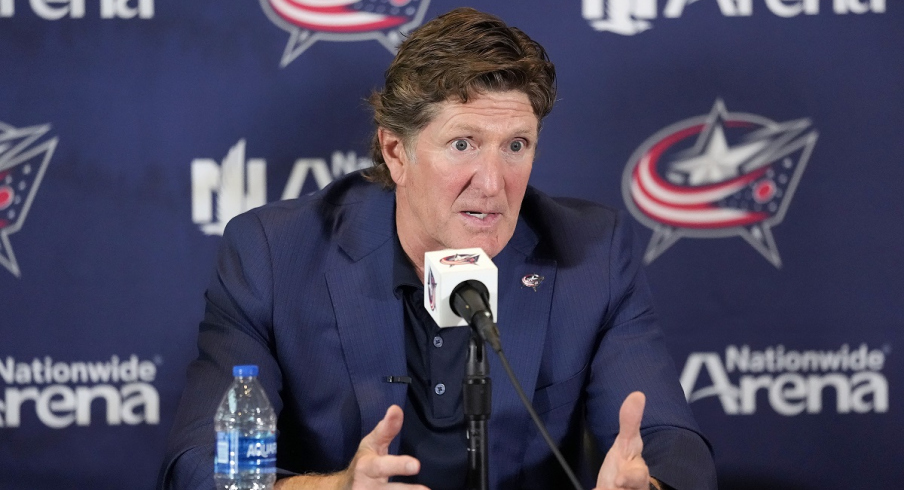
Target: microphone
column 445, row 270
column 460, row 288
column 470, row 300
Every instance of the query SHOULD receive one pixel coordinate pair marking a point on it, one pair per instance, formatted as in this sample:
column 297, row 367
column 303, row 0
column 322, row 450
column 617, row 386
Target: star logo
column 309, row 21
column 718, row 175
column 23, row 162
column 718, row 162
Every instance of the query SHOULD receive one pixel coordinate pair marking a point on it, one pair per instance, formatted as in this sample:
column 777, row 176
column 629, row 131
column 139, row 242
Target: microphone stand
column 469, row 301
column 476, row 391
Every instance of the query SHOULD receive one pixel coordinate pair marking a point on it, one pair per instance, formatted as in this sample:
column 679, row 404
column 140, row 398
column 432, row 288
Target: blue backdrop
column 756, row 144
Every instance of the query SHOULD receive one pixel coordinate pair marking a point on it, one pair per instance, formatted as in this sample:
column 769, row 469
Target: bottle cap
column 244, row 371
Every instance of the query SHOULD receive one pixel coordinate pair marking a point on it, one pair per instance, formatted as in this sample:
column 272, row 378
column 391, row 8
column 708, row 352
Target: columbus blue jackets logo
column 309, row 21
column 23, row 161
column 459, row 259
column 431, row 290
column 718, row 175
column 532, row 281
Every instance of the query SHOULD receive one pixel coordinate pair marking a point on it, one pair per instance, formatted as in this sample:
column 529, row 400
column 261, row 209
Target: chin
column 491, row 247
column 492, row 244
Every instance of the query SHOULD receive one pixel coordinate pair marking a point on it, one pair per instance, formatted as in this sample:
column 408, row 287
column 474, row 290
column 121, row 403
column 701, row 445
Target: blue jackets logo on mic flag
column 431, row 290
column 22, row 166
column 309, row 21
column 717, row 175
column 459, row 259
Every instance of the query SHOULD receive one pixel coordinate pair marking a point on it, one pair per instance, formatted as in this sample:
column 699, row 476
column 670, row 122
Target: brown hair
column 456, row 56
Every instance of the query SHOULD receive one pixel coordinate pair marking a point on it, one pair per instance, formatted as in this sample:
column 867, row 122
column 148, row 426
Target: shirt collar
column 403, row 272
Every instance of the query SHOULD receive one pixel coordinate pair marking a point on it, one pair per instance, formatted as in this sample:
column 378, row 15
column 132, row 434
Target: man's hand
column 372, row 465
column 624, row 468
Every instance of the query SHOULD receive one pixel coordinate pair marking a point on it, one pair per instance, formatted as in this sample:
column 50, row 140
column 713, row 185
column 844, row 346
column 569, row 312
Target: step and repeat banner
column 756, row 145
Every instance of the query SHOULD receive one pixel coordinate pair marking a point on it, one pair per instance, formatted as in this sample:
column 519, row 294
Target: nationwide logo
column 629, row 17
column 75, row 9
column 794, row 381
column 718, row 175
column 309, row 21
column 66, row 393
column 222, row 192
column 23, row 161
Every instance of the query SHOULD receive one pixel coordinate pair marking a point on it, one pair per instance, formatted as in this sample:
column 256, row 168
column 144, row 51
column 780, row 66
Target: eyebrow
column 469, row 128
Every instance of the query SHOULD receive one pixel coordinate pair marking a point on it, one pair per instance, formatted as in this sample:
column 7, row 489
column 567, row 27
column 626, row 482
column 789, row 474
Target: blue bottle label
column 239, row 454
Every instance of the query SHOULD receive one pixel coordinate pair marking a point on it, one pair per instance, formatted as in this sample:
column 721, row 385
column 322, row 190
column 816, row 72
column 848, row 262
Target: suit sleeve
column 632, row 356
column 237, row 329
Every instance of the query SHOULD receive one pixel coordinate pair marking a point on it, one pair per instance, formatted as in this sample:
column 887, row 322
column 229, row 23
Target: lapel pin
column 532, row 281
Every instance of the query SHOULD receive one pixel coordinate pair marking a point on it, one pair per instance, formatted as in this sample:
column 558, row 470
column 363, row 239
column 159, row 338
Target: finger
column 379, row 439
column 629, row 418
column 631, row 413
column 380, row 467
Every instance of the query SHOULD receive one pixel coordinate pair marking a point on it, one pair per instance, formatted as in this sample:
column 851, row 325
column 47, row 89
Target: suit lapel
column 523, row 320
column 368, row 315
column 524, row 316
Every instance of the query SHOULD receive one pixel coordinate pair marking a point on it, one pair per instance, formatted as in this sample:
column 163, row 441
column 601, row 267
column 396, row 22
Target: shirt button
column 437, row 341
column 439, row 389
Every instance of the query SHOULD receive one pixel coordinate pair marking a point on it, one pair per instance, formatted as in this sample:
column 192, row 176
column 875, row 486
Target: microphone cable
column 537, row 421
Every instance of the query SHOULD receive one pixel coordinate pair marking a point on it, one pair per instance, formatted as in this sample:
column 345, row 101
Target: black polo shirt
column 434, row 427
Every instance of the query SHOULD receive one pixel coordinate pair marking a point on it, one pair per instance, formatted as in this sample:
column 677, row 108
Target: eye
column 516, row 145
column 460, row 145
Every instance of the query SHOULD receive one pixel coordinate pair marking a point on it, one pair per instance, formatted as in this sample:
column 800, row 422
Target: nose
column 489, row 177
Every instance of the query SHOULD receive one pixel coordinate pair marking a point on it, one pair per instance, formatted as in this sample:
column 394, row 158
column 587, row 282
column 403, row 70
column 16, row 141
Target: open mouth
column 476, row 214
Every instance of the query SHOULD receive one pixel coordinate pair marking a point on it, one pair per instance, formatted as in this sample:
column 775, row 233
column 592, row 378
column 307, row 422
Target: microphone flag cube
column 446, row 269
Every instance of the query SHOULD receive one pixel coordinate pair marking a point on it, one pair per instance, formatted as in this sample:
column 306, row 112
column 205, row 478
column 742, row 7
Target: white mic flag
column 446, row 269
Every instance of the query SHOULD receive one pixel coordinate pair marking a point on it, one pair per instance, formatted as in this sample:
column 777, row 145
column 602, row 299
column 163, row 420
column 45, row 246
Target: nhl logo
column 718, row 175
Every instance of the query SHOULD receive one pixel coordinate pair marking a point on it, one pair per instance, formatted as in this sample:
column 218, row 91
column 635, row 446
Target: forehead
column 505, row 112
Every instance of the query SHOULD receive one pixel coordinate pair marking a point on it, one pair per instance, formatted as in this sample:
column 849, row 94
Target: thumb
column 629, row 418
column 385, row 431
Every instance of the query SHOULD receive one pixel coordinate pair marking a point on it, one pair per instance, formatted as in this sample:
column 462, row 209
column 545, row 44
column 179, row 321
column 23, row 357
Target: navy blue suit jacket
column 303, row 290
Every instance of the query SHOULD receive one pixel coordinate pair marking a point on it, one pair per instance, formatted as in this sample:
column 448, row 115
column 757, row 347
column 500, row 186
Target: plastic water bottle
column 246, row 435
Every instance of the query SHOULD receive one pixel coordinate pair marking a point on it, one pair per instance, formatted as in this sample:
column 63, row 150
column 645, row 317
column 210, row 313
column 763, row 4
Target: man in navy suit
column 324, row 294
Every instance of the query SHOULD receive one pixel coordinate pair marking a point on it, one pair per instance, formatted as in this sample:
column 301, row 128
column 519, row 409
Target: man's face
column 462, row 179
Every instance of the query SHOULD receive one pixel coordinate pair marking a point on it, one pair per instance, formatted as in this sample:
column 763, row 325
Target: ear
column 394, row 155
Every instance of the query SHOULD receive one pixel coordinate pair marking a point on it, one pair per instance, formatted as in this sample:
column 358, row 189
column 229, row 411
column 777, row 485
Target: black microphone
column 471, row 301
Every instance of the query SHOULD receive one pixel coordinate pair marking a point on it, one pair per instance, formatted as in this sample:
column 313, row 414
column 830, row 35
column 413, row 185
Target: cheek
column 516, row 185
column 446, row 190
column 435, row 203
